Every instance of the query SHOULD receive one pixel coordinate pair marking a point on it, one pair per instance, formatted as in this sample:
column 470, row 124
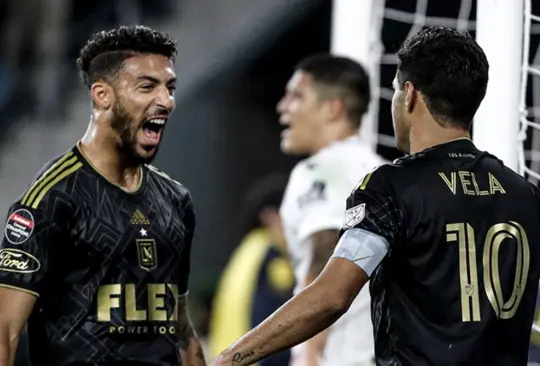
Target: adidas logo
column 139, row 219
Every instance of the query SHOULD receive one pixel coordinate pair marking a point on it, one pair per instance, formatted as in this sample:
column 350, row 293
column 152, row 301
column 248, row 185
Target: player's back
column 459, row 284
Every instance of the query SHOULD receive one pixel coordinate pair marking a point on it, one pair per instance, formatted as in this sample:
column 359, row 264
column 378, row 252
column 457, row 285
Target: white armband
column 363, row 248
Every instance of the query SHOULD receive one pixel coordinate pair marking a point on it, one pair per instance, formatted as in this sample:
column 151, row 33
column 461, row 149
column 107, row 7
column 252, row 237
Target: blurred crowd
column 28, row 68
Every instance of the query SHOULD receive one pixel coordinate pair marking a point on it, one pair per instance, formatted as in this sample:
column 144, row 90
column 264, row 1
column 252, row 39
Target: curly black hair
column 348, row 76
column 450, row 70
column 104, row 53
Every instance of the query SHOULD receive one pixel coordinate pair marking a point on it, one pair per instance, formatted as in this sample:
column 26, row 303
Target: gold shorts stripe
column 51, row 171
column 19, row 289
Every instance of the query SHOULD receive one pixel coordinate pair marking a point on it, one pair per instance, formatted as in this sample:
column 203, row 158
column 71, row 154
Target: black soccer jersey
column 459, row 282
column 107, row 266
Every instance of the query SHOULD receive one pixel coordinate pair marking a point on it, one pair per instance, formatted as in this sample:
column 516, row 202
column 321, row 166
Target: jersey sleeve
column 323, row 202
column 185, row 259
column 24, row 252
column 371, row 224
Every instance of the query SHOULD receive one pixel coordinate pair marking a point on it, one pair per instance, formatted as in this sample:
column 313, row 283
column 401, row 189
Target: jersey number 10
column 463, row 233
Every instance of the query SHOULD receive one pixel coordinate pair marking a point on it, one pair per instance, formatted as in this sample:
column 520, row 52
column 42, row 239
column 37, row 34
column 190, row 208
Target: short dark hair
column 105, row 52
column 348, row 77
column 450, row 70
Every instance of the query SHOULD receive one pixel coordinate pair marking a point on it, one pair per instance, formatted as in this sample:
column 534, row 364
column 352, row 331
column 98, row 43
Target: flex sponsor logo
column 18, row 261
column 144, row 309
column 19, row 226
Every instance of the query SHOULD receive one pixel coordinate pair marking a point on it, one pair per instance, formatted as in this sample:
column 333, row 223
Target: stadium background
column 235, row 57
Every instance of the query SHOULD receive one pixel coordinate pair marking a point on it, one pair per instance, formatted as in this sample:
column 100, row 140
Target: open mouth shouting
column 152, row 129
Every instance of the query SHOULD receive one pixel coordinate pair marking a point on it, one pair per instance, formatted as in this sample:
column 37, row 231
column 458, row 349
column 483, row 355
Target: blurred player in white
column 322, row 109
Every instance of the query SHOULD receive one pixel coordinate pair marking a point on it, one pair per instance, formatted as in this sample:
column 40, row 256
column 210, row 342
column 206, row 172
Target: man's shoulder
column 336, row 164
column 169, row 184
column 384, row 177
column 399, row 168
column 52, row 180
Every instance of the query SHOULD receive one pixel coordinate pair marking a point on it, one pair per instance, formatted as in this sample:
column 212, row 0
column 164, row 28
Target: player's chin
column 146, row 153
column 289, row 147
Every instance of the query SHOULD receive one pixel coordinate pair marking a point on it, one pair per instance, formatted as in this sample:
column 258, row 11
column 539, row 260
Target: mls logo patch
column 355, row 215
column 147, row 254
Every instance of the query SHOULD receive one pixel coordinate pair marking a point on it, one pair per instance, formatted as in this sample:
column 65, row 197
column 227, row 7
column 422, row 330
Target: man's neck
column 102, row 153
column 428, row 140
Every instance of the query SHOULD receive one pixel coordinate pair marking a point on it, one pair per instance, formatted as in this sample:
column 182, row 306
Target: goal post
column 355, row 33
column 499, row 31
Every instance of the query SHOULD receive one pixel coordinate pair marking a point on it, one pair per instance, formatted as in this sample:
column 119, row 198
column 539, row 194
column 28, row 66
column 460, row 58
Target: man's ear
column 335, row 108
column 102, row 94
column 411, row 96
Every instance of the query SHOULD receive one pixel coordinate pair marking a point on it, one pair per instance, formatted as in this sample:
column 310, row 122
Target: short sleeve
column 325, row 209
column 371, row 224
column 371, row 207
column 24, row 252
column 185, row 259
column 322, row 188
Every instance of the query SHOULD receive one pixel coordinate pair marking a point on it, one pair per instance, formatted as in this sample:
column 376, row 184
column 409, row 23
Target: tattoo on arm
column 323, row 244
column 199, row 354
column 238, row 357
column 185, row 328
column 190, row 348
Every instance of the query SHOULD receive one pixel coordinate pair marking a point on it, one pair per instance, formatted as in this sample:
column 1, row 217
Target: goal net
column 529, row 145
column 508, row 122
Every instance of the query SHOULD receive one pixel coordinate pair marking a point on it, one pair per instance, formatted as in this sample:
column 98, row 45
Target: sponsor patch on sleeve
column 19, row 226
column 18, row 261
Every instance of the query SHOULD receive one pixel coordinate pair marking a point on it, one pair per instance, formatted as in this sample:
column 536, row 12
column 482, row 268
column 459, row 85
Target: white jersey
column 315, row 200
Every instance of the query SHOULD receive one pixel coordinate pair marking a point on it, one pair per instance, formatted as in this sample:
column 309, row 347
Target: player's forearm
column 323, row 244
column 8, row 346
column 188, row 343
column 315, row 345
column 193, row 355
column 305, row 315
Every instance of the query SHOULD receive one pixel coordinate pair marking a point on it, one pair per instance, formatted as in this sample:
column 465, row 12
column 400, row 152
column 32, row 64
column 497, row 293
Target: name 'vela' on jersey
column 107, row 266
column 457, row 237
column 315, row 200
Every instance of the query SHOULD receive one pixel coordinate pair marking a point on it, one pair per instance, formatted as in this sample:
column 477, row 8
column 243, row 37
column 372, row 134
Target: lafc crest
column 146, row 249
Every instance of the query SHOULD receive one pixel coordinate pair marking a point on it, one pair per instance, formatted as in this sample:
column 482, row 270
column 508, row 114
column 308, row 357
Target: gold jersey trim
column 19, row 289
column 65, row 166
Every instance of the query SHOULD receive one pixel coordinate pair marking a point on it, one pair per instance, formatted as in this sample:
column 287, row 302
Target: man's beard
column 127, row 127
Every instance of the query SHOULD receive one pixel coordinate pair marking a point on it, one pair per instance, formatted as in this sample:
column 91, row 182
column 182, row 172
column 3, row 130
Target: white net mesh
column 529, row 157
column 402, row 18
column 529, row 149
